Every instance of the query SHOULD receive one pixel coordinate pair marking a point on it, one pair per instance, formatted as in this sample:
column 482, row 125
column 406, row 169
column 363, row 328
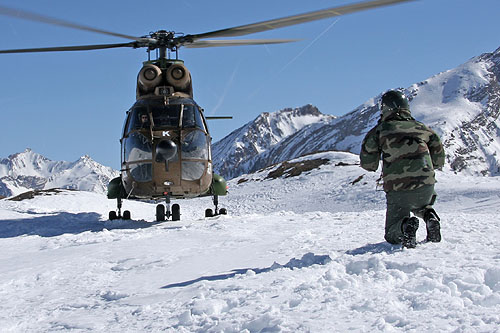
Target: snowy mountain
column 236, row 153
column 31, row 171
column 462, row 105
column 301, row 250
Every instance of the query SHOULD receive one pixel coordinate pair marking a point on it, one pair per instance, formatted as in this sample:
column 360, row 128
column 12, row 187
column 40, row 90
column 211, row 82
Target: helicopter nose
column 165, row 150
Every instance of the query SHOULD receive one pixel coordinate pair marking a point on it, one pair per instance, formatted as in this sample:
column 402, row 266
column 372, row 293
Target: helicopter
column 165, row 141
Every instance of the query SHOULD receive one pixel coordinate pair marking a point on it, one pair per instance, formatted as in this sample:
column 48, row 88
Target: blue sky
column 65, row 105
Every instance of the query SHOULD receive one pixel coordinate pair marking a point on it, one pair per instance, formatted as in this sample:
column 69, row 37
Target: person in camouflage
column 410, row 153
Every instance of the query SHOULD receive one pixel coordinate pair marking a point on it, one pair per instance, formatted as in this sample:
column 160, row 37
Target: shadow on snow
column 307, row 260
column 64, row 223
column 382, row 247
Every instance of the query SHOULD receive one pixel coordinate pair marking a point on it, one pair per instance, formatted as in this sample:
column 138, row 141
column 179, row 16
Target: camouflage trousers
column 400, row 204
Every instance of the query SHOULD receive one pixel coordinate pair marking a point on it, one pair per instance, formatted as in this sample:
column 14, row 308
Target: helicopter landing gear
column 210, row 213
column 176, row 212
column 164, row 213
column 160, row 213
column 126, row 215
column 113, row 215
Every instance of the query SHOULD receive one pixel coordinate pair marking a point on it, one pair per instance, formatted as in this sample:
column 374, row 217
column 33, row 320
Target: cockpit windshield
column 166, row 115
column 139, row 118
column 182, row 113
column 191, row 117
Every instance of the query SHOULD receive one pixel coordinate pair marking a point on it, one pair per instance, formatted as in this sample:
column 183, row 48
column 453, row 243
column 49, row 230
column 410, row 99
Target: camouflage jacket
column 410, row 152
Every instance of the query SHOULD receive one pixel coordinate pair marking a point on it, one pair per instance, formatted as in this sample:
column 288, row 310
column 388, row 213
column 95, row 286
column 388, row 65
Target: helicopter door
column 195, row 144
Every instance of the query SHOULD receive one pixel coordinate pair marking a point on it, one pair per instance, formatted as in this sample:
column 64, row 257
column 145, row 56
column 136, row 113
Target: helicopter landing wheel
column 210, row 213
column 112, row 215
column 126, row 215
column 176, row 212
column 160, row 213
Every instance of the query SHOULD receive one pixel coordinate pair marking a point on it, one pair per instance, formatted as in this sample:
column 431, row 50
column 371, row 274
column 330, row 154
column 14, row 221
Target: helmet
column 393, row 100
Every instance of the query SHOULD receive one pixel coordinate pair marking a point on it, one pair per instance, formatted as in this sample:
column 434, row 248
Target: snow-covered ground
column 298, row 254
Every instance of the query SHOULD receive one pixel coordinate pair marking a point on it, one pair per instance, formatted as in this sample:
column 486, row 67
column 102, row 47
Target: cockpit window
column 166, row 116
column 191, row 117
column 139, row 118
column 194, row 145
column 137, row 147
column 138, row 154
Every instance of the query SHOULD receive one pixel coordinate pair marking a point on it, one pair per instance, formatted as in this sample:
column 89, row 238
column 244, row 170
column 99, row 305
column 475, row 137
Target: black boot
column 432, row 225
column 409, row 228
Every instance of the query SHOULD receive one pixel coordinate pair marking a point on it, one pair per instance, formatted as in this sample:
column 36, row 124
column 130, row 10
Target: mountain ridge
column 29, row 170
column 461, row 104
column 233, row 154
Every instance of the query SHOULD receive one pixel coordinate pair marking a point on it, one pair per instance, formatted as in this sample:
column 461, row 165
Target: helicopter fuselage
column 165, row 149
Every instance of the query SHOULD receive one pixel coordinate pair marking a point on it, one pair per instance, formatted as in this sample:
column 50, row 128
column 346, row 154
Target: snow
column 444, row 97
column 28, row 170
column 298, row 254
column 233, row 155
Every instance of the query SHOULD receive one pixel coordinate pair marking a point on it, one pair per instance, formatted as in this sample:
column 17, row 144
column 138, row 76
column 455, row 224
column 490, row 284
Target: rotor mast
column 163, row 41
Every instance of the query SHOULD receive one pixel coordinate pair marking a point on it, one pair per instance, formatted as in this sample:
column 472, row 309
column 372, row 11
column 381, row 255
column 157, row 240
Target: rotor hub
column 161, row 39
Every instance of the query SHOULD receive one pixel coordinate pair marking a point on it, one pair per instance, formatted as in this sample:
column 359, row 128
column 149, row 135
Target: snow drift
column 301, row 250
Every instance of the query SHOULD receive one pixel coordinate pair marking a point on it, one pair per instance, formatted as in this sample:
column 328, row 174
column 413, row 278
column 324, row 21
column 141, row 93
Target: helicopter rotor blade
column 72, row 48
column 163, row 39
column 218, row 117
column 291, row 20
column 236, row 42
column 21, row 14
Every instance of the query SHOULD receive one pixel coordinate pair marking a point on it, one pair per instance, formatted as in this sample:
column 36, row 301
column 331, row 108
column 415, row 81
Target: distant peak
column 27, row 153
column 86, row 159
column 307, row 109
